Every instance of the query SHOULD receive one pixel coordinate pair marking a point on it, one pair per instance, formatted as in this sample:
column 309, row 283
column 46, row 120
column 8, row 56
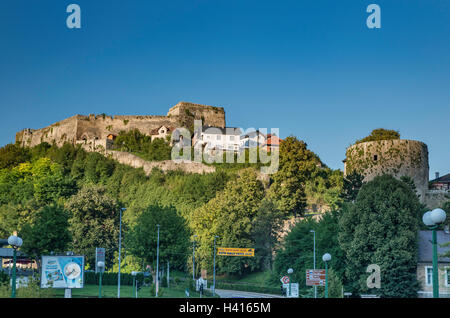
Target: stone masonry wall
column 395, row 157
column 81, row 127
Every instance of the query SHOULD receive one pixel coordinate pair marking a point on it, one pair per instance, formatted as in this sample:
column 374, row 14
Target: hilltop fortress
column 99, row 131
column 398, row 157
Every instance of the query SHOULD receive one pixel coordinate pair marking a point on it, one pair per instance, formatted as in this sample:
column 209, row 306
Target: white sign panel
column 62, row 272
column 294, row 290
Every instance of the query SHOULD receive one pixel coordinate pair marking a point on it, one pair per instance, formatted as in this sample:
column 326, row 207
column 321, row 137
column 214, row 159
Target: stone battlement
column 97, row 128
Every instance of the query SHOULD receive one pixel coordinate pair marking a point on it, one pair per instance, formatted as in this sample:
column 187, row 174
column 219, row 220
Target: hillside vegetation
column 61, row 199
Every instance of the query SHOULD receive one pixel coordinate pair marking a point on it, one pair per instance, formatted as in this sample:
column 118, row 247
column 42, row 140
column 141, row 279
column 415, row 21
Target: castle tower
column 397, row 157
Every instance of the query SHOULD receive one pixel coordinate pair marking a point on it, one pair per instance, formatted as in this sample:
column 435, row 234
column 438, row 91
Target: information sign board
column 315, row 277
column 62, row 272
column 231, row 251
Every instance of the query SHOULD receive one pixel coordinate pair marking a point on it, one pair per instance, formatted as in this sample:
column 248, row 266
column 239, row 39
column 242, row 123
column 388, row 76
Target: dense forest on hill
column 77, row 195
column 60, row 199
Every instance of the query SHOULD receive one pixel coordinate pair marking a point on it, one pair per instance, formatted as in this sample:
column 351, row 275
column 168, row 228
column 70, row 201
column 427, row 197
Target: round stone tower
column 397, row 157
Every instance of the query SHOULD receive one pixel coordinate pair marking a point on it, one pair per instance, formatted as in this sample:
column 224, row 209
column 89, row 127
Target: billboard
column 231, row 251
column 62, row 272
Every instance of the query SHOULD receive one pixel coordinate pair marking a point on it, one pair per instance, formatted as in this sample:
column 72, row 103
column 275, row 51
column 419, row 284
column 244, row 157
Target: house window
column 447, row 277
column 218, row 137
column 231, row 137
column 429, row 275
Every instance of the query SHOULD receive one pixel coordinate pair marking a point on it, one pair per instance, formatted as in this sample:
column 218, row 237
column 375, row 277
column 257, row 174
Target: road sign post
column 315, row 277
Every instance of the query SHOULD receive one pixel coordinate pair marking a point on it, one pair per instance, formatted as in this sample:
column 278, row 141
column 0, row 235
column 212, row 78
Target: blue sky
column 310, row 68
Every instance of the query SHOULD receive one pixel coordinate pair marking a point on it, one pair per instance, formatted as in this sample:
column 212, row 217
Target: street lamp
column 193, row 258
column 326, row 258
column 101, row 268
column 134, row 292
column 157, row 264
column 120, row 249
column 15, row 242
column 290, row 271
column 433, row 219
column 214, row 280
column 315, row 287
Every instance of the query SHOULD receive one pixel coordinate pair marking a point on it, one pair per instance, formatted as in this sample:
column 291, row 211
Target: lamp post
column 214, row 279
column 315, row 287
column 157, row 264
column 433, row 219
column 193, row 258
column 134, row 292
column 290, row 271
column 15, row 242
column 120, row 249
column 101, row 267
column 326, row 258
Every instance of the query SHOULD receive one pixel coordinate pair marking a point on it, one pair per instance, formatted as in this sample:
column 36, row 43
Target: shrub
column 91, row 278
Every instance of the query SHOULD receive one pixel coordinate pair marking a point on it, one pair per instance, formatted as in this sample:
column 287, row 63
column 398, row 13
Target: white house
column 161, row 132
column 253, row 139
column 216, row 138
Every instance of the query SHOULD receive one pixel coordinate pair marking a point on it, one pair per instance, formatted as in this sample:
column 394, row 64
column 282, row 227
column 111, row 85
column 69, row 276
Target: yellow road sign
column 231, row 251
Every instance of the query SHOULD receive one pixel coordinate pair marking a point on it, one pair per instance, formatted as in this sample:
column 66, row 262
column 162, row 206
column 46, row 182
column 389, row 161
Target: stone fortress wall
column 95, row 129
column 397, row 157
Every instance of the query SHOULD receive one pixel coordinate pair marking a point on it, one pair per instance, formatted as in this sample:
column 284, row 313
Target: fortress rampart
column 398, row 157
column 97, row 128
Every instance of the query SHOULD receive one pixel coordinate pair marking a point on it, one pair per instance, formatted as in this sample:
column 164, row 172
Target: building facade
column 217, row 139
column 425, row 264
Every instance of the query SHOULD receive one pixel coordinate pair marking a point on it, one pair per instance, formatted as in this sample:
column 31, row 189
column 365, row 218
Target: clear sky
column 310, row 68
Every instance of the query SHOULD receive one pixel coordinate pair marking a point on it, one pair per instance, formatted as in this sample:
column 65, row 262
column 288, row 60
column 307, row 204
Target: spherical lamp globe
column 326, row 257
column 426, row 218
column 438, row 216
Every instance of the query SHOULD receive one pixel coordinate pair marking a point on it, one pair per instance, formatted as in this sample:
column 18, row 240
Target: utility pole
column 157, row 264
column 315, row 287
column 193, row 259
column 214, row 280
column 168, row 273
column 120, row 250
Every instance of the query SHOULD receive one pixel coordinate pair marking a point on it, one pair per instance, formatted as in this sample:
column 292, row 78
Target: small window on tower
column 375, row 157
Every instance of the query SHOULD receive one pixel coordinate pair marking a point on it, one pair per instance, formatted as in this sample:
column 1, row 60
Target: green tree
column 141, row 241
column 297, row 165
column 323, row 190
column 48, row 233
column 381, row 228
column 297, row 250
column 229, row 215
column 446, row 208
column 94, row 223
column 334, row 285
column 380, row 134
column 157, row 150
column 352, row 184
column 11, row 155
column 132, row 141
column 266, row 227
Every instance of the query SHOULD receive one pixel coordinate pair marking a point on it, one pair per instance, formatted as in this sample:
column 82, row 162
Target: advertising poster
column 62, row 272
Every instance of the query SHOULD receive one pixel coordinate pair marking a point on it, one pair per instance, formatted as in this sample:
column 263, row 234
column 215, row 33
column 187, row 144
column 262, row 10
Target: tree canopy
column 380, row 134
column 381, row 228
